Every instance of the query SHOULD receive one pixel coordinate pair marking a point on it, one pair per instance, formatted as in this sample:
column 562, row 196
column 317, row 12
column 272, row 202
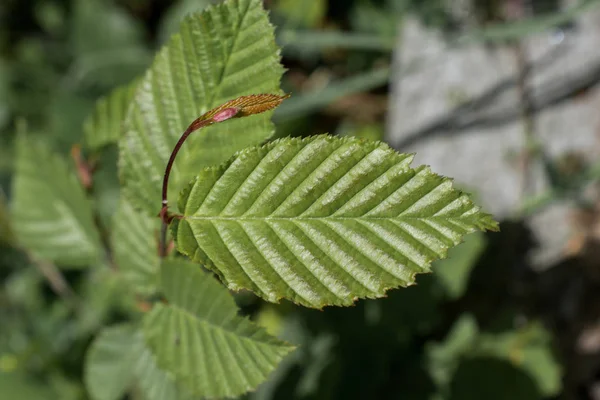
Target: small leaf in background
column 134, row 242
column 51, row 215
column 153, row 382
column 530, row 349
column 322, row 220
column 105, row 125
column 443, row 358
column 6, row 231
column 301, row 14
column 119, row 360
column 199, row 338
column 527, row 350
column 108, row 44
column 169, row 24
column 109, row 363
column 17, row 386
column 453, row 272
column 491, row 379
column 237, row 38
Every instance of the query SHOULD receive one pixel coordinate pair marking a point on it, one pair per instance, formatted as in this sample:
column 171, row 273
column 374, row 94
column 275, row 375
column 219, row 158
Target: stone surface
column 459, row 109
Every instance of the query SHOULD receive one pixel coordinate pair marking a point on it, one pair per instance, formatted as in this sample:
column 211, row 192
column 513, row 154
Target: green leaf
column 301, row 14
column 51, row 215
column 454, row 271
column 119, row 359
column 6, row 231
column 199, row 338
column 134, row 242
column 529, row 348
column 322, row 220
column 109, row 363
column 105, row 125
column 226, row 51
column 169, row 23
column 18, row 386
column 152, row 381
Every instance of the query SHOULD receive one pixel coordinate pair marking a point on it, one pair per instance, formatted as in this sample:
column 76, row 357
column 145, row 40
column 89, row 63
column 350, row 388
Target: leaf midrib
column 326, row 218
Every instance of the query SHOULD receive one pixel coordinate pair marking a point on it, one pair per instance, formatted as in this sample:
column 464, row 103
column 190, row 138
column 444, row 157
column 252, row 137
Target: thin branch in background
column 56, row 280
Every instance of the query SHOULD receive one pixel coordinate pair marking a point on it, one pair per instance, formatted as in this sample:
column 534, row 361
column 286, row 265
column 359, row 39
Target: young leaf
column 322, row 220
column 109, row 363
column 226, row 51
column 51, row 214
column 199, row 338
column 105, row 125
column 134, row 242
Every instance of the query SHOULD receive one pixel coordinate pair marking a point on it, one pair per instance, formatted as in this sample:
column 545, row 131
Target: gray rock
column 460, row 110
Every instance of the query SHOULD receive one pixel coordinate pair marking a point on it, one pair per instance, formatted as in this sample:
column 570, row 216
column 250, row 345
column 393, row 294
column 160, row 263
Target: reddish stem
column 164, row 215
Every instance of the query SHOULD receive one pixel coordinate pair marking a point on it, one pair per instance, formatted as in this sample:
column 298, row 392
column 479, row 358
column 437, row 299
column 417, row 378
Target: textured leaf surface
column 105, row 125
column 153, row 382
column 225, row 52
column 51, row 214
column 201, row 340
column 109, row 363
column 322, row 220
column 134, row 242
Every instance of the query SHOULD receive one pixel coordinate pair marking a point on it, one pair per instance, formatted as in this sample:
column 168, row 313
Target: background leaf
column 453, row 272
column 51, row 214
column 200, row 339
column 134, row 242
column 118, row 360
column 322, row 220
column 109, row 363
column 182, row 84
column 105, row 125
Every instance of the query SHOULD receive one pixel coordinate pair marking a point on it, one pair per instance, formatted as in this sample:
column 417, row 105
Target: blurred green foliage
column 446, row 338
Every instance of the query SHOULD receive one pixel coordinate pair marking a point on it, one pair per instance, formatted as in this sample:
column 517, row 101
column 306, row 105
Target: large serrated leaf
column 323, row 220
column 51, row 215
column 135, row 247
column 105, row 124
column 224, row 52
column 199, row 338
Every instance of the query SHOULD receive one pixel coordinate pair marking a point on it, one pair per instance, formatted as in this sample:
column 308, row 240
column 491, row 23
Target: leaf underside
column 51, row 215
column 322, row 220
column 222, row 53
column 210, row 350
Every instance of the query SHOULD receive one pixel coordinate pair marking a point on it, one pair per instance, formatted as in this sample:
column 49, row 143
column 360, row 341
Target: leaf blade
column 135, row 249
column 322, row 221
column 109, row 363
column 52, row 215
column 222, row 53
column 209, row 349
column 105, row 125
